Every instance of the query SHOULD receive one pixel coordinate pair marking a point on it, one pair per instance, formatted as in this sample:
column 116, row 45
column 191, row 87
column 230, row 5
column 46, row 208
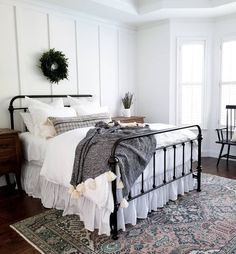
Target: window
column 228, row 77
column 191, row 80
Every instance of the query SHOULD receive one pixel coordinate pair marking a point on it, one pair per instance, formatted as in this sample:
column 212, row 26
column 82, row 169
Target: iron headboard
column 11, row 108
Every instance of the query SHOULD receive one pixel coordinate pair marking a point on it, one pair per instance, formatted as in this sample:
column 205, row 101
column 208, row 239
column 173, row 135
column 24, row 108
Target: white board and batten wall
column 153, row 44
column 101, row 54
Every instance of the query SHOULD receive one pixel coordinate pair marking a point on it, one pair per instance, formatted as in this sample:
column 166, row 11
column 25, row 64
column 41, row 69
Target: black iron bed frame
column 113, row 160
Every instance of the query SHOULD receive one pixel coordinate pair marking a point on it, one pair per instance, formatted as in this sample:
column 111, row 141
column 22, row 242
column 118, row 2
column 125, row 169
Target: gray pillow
column 64, row 124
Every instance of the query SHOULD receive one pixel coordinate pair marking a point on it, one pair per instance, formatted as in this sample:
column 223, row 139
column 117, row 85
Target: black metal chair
column 225, row 134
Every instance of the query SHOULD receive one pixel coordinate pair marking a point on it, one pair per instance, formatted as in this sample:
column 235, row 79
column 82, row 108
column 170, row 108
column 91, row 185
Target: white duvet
column 58, row 164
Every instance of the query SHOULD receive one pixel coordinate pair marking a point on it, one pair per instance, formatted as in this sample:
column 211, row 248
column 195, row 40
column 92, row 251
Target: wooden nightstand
column 10, row 155
column 131, row 119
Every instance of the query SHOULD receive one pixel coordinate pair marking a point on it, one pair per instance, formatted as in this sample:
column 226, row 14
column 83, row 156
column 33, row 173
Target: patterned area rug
column 196, row 223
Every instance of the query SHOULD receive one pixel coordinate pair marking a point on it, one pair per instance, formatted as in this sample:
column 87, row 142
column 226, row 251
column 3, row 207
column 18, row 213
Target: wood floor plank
column 224, row 170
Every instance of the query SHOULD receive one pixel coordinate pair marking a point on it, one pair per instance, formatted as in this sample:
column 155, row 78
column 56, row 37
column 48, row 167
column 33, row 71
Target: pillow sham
column 57, row 103
column 86, row 106
column 43, row 131
column 81, row 101
column 64, row 124
column 28, row 121
column 40, row 115
column 82, row 110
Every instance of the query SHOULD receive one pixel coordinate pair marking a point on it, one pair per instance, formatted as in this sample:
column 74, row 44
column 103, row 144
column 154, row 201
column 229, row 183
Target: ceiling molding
column 48, row 7
column 137, row 13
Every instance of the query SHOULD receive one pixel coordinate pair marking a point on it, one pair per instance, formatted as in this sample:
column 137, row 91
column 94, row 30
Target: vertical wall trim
column 76, row 55
column 99, row 65
column 49, row 42
column 17, row 49
column 118, row 63
column 48, row 30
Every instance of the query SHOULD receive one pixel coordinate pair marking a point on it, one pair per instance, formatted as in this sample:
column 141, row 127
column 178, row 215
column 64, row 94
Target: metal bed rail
column 11, row 108
column 113, row 161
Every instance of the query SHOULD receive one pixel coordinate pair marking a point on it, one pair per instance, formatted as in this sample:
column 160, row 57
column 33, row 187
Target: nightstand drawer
column 7, row 142
column 7, row 148
column 10, row 155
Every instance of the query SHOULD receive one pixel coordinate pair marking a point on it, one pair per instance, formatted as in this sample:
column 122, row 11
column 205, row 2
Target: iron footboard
column 113, row 161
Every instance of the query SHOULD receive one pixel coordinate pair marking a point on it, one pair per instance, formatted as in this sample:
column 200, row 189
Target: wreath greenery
column 54, row 65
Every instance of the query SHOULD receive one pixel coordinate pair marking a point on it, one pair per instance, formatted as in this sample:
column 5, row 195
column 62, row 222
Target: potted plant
column 127, row 101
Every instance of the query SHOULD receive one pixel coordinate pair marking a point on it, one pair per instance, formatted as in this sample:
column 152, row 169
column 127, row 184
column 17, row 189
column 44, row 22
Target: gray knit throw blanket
column 93, row 152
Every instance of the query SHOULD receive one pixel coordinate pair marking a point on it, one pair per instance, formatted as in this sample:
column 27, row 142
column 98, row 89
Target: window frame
column 223, row 40
column 191, row 40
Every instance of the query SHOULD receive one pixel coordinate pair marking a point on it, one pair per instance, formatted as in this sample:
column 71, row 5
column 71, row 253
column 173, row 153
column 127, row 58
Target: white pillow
column 82, row 101
column 57, row 103
column 36, row 127
column 234, row 136
column 28, row 121
column 82, row 110
column 46, row 130
column 86, row 106
column 40, row 114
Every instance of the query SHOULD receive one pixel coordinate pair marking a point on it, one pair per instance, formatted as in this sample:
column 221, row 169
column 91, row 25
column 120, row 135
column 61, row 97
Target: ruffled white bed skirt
column 56, row 196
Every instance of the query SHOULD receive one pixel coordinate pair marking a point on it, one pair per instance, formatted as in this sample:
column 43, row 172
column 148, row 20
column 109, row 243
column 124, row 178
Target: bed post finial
column 11, row 110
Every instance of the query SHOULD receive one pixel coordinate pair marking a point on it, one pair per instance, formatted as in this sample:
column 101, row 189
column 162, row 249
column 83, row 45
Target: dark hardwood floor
column 15, row 207
column 209, row 166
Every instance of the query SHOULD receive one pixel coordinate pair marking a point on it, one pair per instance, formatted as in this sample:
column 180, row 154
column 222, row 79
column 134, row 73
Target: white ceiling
column 137, row 12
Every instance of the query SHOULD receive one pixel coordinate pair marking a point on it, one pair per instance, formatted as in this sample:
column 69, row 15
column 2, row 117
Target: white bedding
column 59, row 159
column 95, row 206
column 34, row 147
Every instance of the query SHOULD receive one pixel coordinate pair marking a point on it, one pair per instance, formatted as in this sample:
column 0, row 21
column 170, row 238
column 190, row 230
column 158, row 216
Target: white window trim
column 180, row 42
column 223, row 40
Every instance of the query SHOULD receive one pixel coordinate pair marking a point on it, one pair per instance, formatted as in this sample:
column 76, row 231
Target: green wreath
column 54, row 65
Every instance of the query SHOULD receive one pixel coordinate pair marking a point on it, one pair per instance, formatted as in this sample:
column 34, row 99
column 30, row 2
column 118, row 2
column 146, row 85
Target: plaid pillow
column 64, row 124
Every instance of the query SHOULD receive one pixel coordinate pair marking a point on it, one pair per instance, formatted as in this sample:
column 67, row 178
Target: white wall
column 97, row 51
column 157, row 64
column 157, row 58
column 201, row 29
column 213, row 31
column 153, row 44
